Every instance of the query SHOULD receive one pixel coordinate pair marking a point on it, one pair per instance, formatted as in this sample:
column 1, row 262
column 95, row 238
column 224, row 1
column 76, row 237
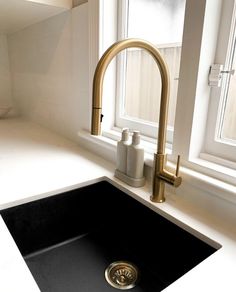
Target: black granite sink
column 68, row 240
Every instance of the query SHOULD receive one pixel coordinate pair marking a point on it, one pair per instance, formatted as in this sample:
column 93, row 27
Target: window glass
column 220, row 134
column 161, row 23
column 228, row 109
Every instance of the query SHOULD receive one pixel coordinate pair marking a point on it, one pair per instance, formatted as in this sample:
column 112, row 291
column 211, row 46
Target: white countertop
column 36, row 163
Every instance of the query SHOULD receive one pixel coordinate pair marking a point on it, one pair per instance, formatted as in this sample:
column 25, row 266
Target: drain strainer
column 122, row 275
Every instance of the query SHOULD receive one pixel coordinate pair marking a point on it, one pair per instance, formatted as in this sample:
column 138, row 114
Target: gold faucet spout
column 160, row 175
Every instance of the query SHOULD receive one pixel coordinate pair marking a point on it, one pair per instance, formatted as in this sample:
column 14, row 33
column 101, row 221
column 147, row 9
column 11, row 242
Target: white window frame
column 215, row 146
column 194, row 92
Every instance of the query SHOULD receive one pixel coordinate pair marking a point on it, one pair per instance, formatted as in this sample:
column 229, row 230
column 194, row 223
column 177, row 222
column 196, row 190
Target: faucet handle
column 177, row 165
column 177, row 179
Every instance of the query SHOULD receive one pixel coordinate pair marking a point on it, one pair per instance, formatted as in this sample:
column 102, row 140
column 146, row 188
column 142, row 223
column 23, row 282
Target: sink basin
column 68, row 241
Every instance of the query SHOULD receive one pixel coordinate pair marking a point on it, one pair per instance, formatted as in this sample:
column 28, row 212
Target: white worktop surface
column 36, row 163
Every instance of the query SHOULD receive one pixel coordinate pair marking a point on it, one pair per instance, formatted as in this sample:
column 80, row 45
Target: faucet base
column 158, row 191
column 157, row 199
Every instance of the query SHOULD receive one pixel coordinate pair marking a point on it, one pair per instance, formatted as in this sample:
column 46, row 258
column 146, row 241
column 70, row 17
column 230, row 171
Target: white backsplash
column 49, row 66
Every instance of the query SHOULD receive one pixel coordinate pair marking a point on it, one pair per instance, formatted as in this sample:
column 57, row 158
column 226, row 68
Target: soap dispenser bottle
column 135, row 157
column 121, row 154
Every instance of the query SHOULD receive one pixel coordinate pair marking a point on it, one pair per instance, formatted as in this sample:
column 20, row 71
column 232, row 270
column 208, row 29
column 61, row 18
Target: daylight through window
column 161, row 23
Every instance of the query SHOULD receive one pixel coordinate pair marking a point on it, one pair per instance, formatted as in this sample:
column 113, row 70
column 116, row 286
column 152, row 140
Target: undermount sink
column 68, row 241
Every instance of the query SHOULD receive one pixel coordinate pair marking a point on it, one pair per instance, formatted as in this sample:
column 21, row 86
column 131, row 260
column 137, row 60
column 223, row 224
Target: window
column 139, row 85
column 221, row 134
column 201, row 116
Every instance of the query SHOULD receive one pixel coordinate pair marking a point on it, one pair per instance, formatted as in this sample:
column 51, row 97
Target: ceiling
column 18, row 14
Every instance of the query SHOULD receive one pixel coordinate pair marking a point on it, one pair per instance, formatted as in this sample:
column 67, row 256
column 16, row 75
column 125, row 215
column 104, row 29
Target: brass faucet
column 160, row 174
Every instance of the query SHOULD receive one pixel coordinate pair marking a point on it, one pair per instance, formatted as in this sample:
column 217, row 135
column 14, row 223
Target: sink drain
column 122, row 275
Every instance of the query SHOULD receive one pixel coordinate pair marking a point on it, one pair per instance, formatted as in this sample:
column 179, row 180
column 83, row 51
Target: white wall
column 5, row 77
column 49, row 65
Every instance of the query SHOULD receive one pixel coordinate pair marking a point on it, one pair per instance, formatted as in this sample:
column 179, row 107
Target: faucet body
column 160, row 174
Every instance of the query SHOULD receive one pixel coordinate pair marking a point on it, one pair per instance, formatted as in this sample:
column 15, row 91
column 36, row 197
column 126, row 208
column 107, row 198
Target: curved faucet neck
column 99, row 78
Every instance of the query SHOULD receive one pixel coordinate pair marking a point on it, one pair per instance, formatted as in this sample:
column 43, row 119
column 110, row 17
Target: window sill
column 199, row 174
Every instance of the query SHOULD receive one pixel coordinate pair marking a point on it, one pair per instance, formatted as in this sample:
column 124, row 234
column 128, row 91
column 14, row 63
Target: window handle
column 215, row 74
column 231, row 72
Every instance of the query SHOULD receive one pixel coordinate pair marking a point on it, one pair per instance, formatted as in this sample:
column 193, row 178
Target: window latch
column 231, row 72
column 215, row 75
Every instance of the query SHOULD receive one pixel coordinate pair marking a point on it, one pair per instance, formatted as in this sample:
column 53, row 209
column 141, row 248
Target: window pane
column 161, row 23
column 143, row 84
column 228, row 130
